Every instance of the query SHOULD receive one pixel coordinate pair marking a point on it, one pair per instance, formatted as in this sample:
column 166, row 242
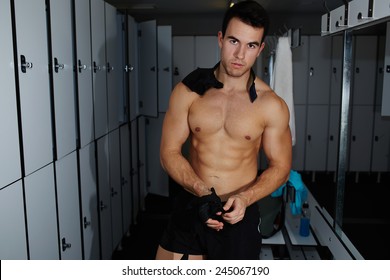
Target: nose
column 240, row 52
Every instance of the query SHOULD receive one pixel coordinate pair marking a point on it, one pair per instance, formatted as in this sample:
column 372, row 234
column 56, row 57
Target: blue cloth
column 294, row 180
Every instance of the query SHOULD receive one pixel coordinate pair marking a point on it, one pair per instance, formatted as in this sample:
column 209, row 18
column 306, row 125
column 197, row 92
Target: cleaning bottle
column 304, row 227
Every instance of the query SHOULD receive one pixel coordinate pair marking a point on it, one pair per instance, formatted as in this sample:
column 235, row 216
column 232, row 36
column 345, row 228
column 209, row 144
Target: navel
column 247, row 137
column 197, row 129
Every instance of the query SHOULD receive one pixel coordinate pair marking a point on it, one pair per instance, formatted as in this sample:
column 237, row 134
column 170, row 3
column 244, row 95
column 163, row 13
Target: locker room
column 85, row 88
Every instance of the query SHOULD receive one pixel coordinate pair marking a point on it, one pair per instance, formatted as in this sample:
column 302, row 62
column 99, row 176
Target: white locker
column 183, row 57
column 42, row 214
column 114, row 49
column 206, row 51
column 319, row 69
column 68, row 207
column 316, row 137
column 298, row 151
column 115, row 186
column 132, row 67
column 34, row 88
column 9, row 143
column 361, row 138
column 300, row 65
column 158, row 180
column 364, row 76
column 148, row 68
column 104, row 193
column 63, row 81
column 164, row 35
column 99, row 67
column 126, row 183
column 13, row 239
column 135, row 177
column 381, row 143
column 333, row 137
column 84, row 72
column 89, row 202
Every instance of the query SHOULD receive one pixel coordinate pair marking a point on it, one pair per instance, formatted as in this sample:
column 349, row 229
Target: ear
column 220, row 39
column 261, row 48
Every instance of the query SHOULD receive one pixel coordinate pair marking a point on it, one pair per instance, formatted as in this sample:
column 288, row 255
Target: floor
column 366, row 215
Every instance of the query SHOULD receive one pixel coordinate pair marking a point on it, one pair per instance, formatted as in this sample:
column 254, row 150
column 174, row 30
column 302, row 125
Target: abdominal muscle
column 229, row 167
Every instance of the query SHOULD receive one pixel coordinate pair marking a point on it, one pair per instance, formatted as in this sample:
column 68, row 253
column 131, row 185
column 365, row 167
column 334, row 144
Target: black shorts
column 187, row 235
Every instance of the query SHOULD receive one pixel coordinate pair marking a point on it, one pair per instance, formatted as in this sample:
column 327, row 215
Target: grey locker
column 41, row 214
column 132, row 67
column 164, row 35
column 206, row 51
column 361, row 138
column 298, row 150
column 316, row 137
column 68, row 207
column 34, row 89
column 142, row 161
column 300, row 65
column 148, row 68
column 104, row 193
column 89, row 202
column 381, row 143
column 9, row 143
column 84, row 72
column 63, row 81
column 114, row 45
column 135, row 169
column 99, row 67
column 336, row 70
column 386, row 78
column 115, row 186
column 157, row 178
column 333, row 137
column 364, row 76
column 126, row 184
column 319, row 69
column 13, row 234
column 183, row 57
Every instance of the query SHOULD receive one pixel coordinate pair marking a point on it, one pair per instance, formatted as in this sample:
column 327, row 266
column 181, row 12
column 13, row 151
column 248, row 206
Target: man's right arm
column 175, row 132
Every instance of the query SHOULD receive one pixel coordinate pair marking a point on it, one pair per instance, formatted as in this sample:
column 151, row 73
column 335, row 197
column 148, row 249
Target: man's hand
column 234, row 209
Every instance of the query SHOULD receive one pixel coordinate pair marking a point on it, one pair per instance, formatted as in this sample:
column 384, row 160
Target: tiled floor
column 366, row 216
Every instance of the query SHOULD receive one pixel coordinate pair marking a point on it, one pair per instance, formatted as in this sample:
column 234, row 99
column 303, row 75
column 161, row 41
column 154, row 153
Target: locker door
column 381, row 143
column 142, row 161
column 114, row 48
column 158, row 182
column 319, row 69
column 115, row 186
column 183, row 57
column 336, row 70
column 316, row 138
column 333, row 138
column 68, row 207
column 104, row 192
column 133, row 67
column 298, row 159
column 32, row 54
column 42, row 214
column 135, row 169
column 148, row 69
column 386, row 77
column 63, row 87
column 365, row 70
column 300, row 71
column 361, row 138
column 13, row 231
column 126, row 177
column 84, row 72
column 89, row 202
column 165, row 66
column 99, row 67
column 9, row 143
column 206, row 51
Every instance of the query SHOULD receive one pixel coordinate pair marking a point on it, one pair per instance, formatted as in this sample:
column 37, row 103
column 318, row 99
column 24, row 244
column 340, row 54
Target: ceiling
column 173, row 7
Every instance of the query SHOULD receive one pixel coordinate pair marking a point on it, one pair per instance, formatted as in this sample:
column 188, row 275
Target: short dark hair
column 249, row 12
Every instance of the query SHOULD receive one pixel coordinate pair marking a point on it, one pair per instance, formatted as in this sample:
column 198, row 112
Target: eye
column 233, row 41
column 252, row 46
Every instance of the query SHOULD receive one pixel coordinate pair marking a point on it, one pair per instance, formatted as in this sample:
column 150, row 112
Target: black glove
column 209, row 206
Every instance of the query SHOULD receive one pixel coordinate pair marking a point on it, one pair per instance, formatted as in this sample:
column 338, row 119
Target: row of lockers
column 72, row 151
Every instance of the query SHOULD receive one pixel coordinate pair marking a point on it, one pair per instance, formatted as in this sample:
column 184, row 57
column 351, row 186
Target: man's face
column 240, row 47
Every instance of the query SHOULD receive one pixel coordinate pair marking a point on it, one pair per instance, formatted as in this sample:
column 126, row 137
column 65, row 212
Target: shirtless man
column 229, row 114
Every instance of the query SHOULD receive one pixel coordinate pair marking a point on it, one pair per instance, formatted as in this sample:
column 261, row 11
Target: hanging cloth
column 283, row 79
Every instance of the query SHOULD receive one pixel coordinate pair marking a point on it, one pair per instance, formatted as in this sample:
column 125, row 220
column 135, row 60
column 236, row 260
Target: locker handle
column 24, row 64
column 166, row 69
column 102, row 206
column 57, row 66
column 353, row 138
column 86, row 222
column 109, row 67
column 153, row 69
column 81, row 66
column 361, row 17
column 309, row 137
column 113, row 192
column 65, row 245
column 357, row 70
column 176, row 71
column 96, row 67
column 266, row 71
column 334, row 70
column 123, row 181
column 311, row 71
column 331, row 138
column 129, row 68
column 388, row 69
column 376, row 138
